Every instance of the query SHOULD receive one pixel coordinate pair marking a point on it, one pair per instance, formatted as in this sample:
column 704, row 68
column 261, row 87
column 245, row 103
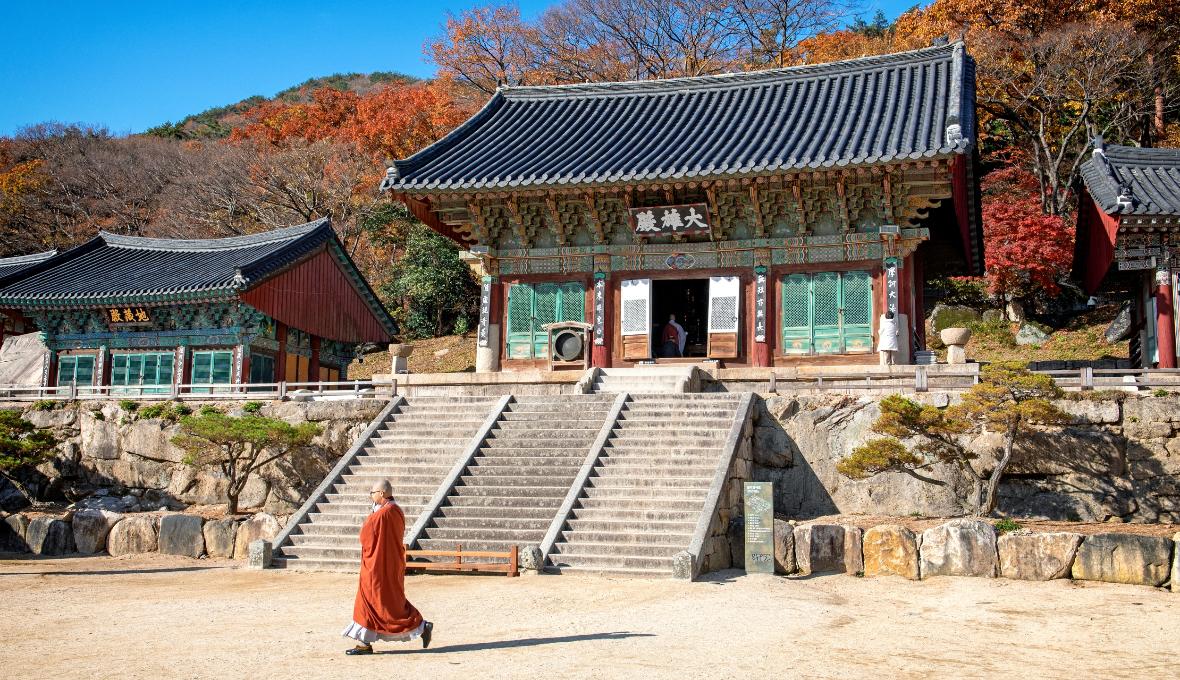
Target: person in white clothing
column 887, row 337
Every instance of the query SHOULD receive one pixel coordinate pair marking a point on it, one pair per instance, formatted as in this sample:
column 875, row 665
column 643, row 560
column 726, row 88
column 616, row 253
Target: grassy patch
column 1005, row 525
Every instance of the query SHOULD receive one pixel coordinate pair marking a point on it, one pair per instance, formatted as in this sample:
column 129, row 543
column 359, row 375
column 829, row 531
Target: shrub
column 967, row 291
column 128, row 405
column 1005, row 525
column 208, row 410
column 45, row 405
column 252, row 407
column 154, row 411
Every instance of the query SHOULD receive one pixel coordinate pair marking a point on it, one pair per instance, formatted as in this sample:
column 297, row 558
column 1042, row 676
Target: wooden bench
column 510, row 567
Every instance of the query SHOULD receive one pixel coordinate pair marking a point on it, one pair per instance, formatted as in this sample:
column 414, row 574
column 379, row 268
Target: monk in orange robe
column 382, row 611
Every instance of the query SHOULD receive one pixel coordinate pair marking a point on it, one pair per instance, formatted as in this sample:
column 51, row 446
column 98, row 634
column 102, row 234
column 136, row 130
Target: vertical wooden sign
column 891, row 285
column 599, row 308
column 485, row 310
column 760, row 304
column 759, row 507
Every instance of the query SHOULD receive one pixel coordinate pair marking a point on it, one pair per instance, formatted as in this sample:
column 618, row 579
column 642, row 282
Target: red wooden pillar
column 243, row 376
column 1165, row 320
column 281, row 354
column 313, row 370
column 603, row 302
column 919, row 311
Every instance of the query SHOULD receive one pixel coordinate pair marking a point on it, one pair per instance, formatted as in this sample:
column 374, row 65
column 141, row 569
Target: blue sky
column 131, row 65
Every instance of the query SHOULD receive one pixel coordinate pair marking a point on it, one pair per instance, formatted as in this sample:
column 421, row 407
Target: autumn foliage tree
column 1026, row 252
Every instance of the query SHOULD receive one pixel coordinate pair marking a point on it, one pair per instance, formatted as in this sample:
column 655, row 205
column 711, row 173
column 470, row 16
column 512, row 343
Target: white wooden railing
column 200, row 392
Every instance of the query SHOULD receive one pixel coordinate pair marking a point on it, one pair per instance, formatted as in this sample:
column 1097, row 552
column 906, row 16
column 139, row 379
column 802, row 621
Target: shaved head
column 383, row 487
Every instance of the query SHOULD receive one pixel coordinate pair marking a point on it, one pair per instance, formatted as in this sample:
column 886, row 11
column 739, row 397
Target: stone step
column 615, row 471
column 308, row 564
column 324, row 541
column 589, row 424
column 558, row 437
column 537, row 442
column 637, row 515
column 493, row 458
column 515, row 513
column 509, row 492
column 714, row 397
column 558, row 406
column 451, row 399
column 492, row 499
column 654, row 503
column 625, row 539
column 671, row 419
column 369, row 477
column 654, row 564
column 323, row 553
column 537, row 452
column 396, row 437
column 610, row 548
column 567, row 398
column 489, row 545
column 485, row 535
column 679, row 493
column 661, row 483
column 399, row 468
column 331, row 528
column 528, row 472
column 642, row 531
column 521, row 485
column 627, row 447
column 482, row 524
column 668, row 434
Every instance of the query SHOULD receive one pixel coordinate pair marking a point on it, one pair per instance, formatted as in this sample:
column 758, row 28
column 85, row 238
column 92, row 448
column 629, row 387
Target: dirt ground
column 161, row 617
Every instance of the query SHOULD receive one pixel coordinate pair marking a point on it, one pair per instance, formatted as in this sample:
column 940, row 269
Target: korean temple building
column 776, row 213
column 1129, row 225
column 149, row 313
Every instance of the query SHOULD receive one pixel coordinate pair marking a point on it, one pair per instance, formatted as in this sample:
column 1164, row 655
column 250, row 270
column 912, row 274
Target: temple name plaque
column 759, row 529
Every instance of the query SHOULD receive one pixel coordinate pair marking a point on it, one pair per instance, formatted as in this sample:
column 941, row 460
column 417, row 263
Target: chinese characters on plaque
column 128, row 316
column 671, row 219
column 760, row 305
column 599, row 309
column 1146, row 251
column 891, row 287
column 485, row 310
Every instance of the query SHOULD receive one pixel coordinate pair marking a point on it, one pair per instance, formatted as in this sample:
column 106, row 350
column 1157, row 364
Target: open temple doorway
column 688, row 299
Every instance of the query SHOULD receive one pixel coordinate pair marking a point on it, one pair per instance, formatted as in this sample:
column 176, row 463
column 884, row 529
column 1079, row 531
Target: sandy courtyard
column 158, row 617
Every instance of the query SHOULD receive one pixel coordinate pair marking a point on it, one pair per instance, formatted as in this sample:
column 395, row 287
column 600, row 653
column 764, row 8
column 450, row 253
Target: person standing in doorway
column 887, row 337
column 381, row 611
column 673, row 338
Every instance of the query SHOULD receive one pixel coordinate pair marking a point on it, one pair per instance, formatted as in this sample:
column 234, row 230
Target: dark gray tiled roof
column 14, row 265
column 113, row 268
column 1147, row 179
column 908, row 105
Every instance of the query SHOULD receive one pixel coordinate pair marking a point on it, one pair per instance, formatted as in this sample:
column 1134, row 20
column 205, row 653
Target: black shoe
column 427, row 629
column 359, row 649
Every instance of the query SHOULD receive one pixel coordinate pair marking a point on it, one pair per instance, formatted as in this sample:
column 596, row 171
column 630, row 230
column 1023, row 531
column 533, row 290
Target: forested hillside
column 1051, row 74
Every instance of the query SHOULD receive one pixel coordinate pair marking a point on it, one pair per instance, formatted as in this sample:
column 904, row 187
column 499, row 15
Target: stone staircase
column 643, row 380
column 515, row 484
column 414, row 449
column 647, row 491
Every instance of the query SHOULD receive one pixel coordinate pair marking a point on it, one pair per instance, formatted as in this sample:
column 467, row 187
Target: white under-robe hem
column 359, row 633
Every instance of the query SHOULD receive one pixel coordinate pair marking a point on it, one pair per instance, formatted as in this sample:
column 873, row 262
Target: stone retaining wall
column 97, row 531
column 971, row 547
column 1117, row 461
column 118, row 460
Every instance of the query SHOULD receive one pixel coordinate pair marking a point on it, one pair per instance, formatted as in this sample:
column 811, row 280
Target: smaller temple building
column 148, row 314
column 1129, row 226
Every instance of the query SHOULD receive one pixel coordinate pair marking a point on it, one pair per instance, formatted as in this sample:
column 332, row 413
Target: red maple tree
column 1027, row 251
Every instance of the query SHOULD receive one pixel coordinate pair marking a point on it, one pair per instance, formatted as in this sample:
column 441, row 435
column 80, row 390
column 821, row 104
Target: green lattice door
column 532, row 306
column 827, row 313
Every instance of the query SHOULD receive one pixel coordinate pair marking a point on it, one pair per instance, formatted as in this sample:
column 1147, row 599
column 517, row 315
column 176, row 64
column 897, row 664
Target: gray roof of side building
column 1148, row 180
column 116, row 269
column 909, row 105
column 13, row 265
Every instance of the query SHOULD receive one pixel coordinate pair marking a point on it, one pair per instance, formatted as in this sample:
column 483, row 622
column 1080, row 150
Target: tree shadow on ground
column 523, row 642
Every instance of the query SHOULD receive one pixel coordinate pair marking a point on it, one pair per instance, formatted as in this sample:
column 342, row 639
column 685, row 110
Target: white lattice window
column 636, row 307
column 723, row 304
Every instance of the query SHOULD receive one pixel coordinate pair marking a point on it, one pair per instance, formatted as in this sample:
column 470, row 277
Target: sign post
column 759, row 507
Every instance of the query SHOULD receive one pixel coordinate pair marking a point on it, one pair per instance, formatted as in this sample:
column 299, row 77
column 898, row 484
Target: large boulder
column 1124, row 558
column 1031, row 335
column 952, row 316
column 891, row 550
column 100, row 437
column 961, row 547
column 784, row 547
column 1037, row 557
column 49, row 536
column 182, row 535
column 819, row 548
column 152, row 439
column 263, row 525
column 12, row 533
column 1090, row 411
column 133, row 535
column 854, row 561
column 91, row 528
column 219, row 537
column 56, row 418
column 1176, row 564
